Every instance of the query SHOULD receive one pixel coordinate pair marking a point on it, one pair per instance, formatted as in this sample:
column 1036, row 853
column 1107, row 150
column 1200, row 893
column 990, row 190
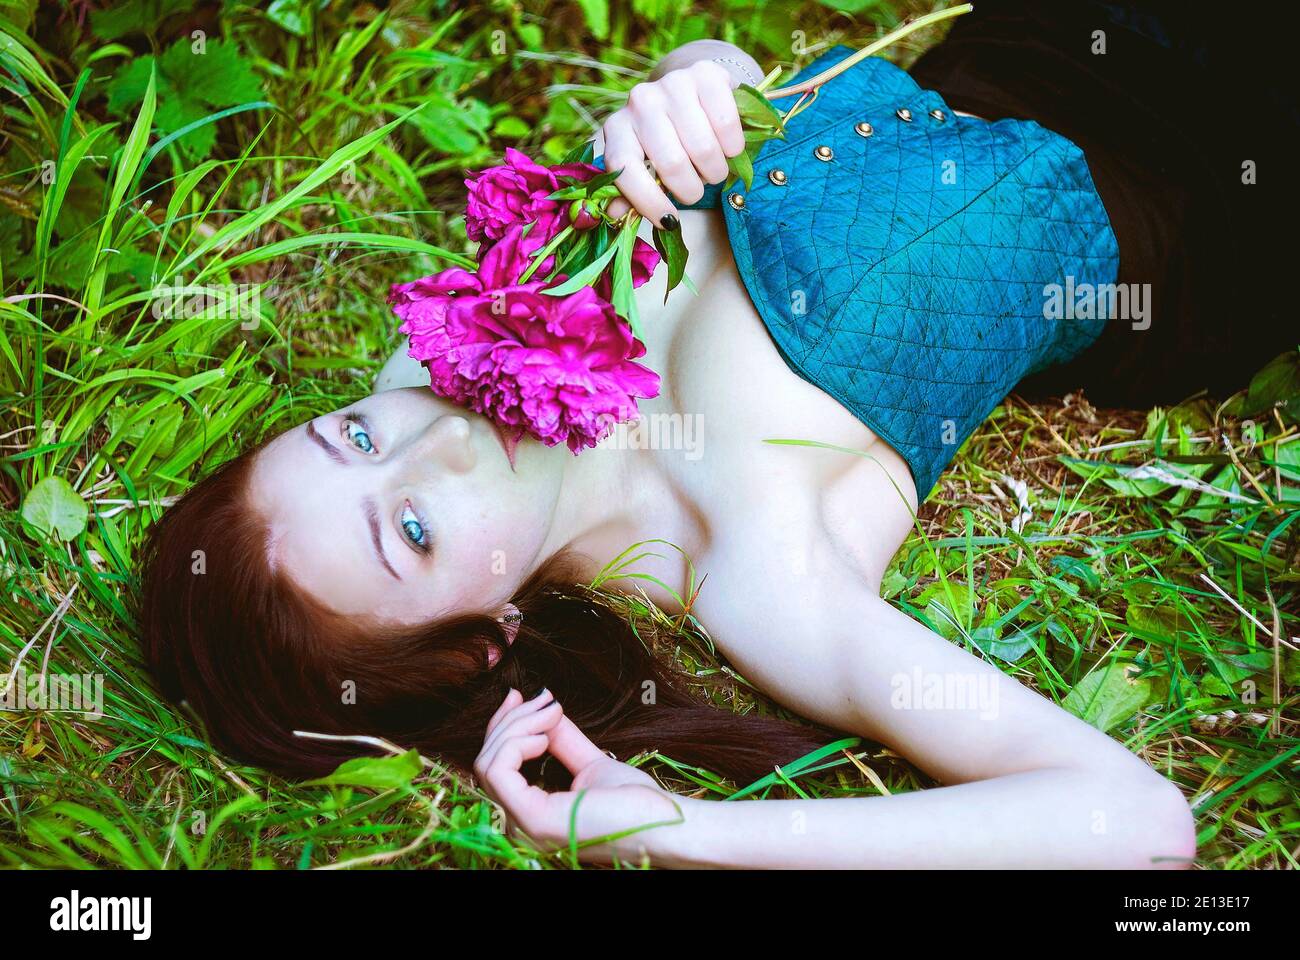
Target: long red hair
column 256, row 658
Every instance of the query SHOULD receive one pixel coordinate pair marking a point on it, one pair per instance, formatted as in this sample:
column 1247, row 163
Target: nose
column 445, row 441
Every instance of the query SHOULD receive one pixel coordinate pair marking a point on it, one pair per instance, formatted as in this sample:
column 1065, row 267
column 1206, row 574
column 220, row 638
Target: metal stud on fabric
column 938, row 115
column 824, row 153
column 778, row 177
column 872, row 237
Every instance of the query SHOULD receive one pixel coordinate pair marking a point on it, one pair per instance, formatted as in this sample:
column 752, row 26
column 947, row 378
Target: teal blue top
column 913, row 263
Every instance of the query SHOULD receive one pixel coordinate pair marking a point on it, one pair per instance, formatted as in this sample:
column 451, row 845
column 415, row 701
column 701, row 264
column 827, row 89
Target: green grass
column 1149, row 608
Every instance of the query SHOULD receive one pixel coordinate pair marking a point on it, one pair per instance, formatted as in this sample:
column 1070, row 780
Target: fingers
column 719, row 105
column 624, row 151
column 656, row 127
column 618, row 206
column 571, row 747
column 522, row 731
column 517, row 733
column 693, row 125
column 535, row 716
column 502, row 780
column 512, row 700
column 687, row 125
column 543, row 715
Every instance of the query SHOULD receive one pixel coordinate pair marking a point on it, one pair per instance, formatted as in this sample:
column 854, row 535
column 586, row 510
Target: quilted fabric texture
column 908, row 274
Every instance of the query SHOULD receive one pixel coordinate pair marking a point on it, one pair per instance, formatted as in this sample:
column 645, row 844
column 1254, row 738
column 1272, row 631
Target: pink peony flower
column 557, row 368
column 515, row 193
column 422, row 305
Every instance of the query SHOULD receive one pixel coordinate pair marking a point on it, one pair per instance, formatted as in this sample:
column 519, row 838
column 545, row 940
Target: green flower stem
column 812, row 83
column 545, row 252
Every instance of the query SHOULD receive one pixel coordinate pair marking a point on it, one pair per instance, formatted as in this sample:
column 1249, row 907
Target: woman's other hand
column 618, row 797
column 686, row 124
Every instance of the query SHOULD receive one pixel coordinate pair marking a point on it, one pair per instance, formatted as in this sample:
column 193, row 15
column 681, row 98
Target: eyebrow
column 372, row 519
column 335, row 454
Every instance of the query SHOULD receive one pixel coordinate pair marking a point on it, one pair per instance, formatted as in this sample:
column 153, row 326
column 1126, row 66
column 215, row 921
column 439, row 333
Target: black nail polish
column 670, row 222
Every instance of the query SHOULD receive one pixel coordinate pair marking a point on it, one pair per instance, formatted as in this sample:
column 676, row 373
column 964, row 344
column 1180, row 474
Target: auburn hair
column 257, row 658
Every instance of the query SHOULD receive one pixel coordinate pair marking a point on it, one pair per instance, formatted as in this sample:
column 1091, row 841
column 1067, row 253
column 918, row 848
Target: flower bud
column 580, row 216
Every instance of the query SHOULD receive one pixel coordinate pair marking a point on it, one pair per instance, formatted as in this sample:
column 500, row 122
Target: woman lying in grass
column 385, row 571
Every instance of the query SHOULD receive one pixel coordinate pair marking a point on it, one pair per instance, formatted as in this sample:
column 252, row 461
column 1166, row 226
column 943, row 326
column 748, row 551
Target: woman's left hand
column 686, row 124
column 617, row 797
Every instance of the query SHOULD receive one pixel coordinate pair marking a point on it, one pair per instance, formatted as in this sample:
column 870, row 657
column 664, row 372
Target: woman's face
column 403, row 508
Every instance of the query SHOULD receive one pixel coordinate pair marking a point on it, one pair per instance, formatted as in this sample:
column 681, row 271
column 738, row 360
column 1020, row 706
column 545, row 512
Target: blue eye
column 412, row 528
column 358, row 437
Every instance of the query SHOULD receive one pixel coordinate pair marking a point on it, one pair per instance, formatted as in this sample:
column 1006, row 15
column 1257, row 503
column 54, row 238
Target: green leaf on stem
column 624, row 301
column 672, row 248
column 604, row 238
column 756, row 110
column 1276, row 386
column 603, row 179
column 742, row 166
column 583, row 153
column 586, row 276
column 756, row 138
column 546, row 251
column 578, row 253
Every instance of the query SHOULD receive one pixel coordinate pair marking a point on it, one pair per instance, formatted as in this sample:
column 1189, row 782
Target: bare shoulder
column 399, row 371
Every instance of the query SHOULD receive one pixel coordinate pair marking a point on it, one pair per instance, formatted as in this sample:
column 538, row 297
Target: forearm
column 1044, row 818
column 742, row 67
